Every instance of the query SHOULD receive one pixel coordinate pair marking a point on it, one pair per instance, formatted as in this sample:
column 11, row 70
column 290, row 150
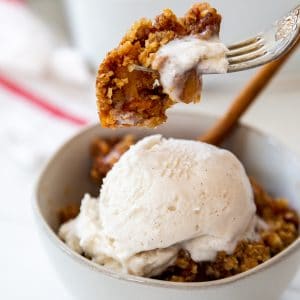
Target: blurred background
column 49, row 54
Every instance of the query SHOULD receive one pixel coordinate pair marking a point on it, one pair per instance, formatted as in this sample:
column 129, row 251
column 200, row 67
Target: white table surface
column 28, row 137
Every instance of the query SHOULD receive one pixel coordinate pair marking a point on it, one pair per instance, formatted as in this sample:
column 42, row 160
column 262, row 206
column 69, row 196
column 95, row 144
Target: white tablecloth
column 28, row 137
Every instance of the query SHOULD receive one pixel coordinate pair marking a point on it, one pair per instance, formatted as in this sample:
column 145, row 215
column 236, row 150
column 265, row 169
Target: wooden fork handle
column 240, row 104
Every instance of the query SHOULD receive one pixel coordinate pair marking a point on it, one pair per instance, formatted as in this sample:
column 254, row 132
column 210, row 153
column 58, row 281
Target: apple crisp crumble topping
column 130, row 97
column 106, row 152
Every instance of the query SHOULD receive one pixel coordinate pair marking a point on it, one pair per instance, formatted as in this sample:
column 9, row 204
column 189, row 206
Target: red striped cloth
column 36, row 100
column 39, row 102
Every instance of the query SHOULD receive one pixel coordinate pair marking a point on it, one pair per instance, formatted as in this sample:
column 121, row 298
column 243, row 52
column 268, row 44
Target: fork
column 262, row 48
column 266, row 46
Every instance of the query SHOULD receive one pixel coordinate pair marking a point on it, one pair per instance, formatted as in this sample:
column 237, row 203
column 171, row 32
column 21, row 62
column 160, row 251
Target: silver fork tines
column 245, row 47
column 266, row 46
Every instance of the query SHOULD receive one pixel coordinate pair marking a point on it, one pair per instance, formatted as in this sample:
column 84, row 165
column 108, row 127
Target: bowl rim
column 48, row 231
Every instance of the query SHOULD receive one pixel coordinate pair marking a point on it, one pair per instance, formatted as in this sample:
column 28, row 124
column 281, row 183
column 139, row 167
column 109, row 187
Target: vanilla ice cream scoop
column 164, row 195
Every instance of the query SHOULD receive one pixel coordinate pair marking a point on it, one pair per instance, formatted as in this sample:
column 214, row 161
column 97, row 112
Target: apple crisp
column 128, row 96
column 279, row 229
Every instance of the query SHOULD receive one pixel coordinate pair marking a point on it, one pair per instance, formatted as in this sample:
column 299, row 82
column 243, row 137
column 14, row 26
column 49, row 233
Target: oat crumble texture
column 128, row 97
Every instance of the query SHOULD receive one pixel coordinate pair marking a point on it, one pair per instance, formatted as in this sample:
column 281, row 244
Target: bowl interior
column 66, row 177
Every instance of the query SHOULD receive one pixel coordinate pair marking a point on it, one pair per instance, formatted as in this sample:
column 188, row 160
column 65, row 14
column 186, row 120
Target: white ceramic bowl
column 65, row 180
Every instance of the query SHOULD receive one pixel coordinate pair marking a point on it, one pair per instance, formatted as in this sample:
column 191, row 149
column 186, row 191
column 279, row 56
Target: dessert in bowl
column 168, row 217
column 66, row 179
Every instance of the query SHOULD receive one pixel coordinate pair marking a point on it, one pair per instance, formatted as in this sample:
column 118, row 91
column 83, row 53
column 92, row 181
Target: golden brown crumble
column 106, row 152
column 127, row 97
column 68, row 212
column 282, row 229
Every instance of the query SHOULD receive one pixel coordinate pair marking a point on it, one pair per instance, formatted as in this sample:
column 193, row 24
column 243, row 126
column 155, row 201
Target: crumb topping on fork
column 129, row 97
